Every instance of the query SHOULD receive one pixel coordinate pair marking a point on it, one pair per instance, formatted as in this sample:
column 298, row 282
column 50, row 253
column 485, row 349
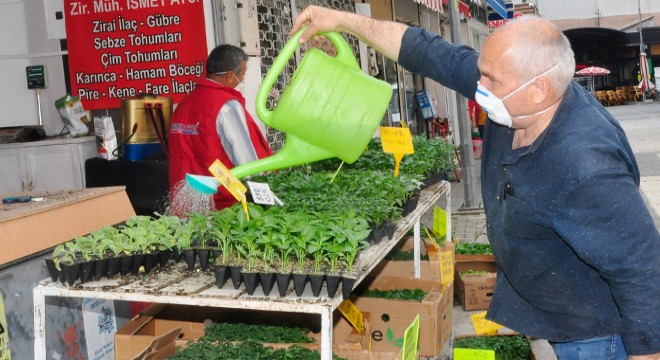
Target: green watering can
column 329, row 108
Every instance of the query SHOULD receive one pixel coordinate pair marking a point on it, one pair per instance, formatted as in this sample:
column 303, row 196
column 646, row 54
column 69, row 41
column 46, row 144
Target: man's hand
column 384, row 36
column 317, row 19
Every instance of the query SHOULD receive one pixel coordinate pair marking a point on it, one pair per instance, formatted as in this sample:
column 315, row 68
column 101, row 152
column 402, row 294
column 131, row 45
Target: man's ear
column 543, row 88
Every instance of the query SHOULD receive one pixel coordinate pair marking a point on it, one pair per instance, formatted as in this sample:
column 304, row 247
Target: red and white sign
column 124, row 48
column 494, row 24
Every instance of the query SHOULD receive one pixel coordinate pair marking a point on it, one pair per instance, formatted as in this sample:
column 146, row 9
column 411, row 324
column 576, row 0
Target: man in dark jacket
column 576, row 248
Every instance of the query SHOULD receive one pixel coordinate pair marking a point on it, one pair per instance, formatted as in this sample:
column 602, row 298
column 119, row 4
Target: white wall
column 17, row 103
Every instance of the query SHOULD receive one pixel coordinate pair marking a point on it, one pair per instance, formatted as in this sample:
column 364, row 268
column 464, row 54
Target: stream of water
column 186, row 200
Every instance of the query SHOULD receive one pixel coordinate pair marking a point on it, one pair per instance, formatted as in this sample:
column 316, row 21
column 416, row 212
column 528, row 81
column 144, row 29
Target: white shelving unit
column 199, row 288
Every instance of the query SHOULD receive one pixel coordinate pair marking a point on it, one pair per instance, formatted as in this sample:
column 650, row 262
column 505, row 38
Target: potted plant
column 221, row 223
column 201, row 224
column 64, row 261
column 183, row 236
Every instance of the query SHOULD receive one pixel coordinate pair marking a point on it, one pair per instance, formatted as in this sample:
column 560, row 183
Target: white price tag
column 261, row 193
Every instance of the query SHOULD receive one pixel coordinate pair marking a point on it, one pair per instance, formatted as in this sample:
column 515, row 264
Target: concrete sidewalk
column 641, row 122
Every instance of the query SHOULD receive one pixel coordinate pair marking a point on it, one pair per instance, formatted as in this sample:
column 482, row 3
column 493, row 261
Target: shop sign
column 100, row 328
column 121, row 49
column 494, row 24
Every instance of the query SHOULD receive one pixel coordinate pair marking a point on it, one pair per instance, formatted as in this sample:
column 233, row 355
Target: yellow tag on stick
column 446, row 268
column 396, row 141
column 352, row 314
column 230, row 182
column 473, row 354
column 410, row 340
column 483, row 326
column 439, row 222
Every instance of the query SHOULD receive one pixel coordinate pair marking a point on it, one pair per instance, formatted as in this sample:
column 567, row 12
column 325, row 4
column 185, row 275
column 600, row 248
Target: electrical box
column 240, row 25
column 36, row 76
column 248, row 26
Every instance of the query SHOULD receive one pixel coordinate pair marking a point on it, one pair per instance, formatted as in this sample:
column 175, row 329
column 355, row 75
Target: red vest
column 194, row 143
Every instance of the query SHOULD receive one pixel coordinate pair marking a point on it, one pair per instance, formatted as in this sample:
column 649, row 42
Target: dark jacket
column 577, row 251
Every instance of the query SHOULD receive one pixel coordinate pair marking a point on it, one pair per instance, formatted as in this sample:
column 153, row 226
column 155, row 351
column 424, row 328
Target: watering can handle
column 344, row 54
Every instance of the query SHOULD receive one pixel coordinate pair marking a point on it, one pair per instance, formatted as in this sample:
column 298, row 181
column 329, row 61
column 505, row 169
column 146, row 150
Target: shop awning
column 436, row 5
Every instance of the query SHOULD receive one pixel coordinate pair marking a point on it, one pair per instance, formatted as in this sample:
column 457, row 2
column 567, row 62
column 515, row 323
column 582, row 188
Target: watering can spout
column 294, row 152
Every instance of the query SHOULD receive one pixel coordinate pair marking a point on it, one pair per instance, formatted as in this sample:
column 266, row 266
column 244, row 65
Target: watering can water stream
column 329, row 108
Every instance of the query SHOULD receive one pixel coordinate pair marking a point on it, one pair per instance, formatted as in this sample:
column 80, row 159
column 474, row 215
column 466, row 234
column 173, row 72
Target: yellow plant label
column 352, row 314
column 482, row 326
column 230, row 182
column 396, row 141
column 446, row 268
column 439, row 222
column 410, row 340
column 5, row 353
column 473, row 354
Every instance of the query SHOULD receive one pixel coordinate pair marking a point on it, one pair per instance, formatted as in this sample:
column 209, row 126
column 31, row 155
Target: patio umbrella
column 646, row 83
column 592, row 71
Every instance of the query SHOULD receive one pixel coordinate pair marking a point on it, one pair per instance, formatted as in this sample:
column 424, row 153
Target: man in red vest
column 212, row 123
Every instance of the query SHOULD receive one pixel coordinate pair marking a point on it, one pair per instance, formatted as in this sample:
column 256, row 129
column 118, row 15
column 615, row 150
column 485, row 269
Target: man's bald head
column 531, row 45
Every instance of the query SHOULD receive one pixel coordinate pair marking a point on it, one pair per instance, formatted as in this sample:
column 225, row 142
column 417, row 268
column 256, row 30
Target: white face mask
column 494, row 106
column 241, row 84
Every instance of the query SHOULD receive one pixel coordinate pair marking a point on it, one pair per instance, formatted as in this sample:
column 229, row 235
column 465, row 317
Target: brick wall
column 275, row 21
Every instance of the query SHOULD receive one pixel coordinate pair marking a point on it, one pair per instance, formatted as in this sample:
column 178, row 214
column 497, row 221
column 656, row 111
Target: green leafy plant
column 506, row 347
column 473, row 248
column 397, row 294
column 221, row 223
column 260, row 333
column 64, row 254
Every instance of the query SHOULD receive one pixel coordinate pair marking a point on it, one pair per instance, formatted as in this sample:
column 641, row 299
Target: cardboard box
column 158, row 319
column 32, row 227
column 154, row 321
column 429, row 269
column 351, row 345
column 474, row 291
column 162, row 347
column 390, row 318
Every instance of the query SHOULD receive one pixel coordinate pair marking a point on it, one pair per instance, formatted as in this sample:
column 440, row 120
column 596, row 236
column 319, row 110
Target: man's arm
column 234, row 133
column 384, row 36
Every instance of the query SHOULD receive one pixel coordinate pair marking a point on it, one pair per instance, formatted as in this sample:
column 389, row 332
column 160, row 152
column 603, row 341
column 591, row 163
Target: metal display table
column 199, row 288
